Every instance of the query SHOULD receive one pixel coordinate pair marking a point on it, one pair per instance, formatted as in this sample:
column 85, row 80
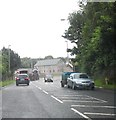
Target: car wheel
column 73, row 86
column 92, row 88
column 62, row 85
column 28, row 84
column 68, row 86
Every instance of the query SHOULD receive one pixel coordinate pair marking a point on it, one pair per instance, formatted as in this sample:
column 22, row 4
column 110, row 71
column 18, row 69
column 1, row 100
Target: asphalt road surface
column 50, row 100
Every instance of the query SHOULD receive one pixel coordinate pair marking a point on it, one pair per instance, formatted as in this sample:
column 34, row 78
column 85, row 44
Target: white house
column 52, row 66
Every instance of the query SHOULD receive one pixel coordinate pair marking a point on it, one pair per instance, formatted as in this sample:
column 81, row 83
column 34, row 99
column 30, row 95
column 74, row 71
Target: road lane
column 50, row 100
column 30, row 102
column 98, row 97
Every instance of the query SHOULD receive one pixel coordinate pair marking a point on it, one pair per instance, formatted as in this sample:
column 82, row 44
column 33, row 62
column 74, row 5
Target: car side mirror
column 71, row 77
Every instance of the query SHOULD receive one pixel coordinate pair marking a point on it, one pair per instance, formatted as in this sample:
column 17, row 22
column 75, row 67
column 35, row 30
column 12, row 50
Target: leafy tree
column 14, row 62
column 92, row 30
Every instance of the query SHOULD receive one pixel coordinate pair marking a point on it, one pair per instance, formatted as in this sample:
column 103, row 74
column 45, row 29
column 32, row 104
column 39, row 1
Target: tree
column 14, row 62
column 92, row 30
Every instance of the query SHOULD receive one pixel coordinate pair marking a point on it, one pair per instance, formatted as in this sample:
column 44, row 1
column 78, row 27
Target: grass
column 100, row 83
column 6, row 82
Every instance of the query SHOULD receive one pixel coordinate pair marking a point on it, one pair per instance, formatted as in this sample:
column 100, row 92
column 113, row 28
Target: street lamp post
column 9, row 58
column 67, row 51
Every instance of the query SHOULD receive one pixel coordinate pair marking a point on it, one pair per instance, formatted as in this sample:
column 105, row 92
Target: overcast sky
column 34, row 28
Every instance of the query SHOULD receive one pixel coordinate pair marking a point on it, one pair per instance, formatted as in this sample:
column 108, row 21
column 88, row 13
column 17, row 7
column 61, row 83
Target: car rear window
column 23, row 76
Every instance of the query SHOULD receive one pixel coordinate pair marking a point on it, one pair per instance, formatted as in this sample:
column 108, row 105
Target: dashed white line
column 84, row 116
column 56, row 99
column 107, row 114
column 45, row 92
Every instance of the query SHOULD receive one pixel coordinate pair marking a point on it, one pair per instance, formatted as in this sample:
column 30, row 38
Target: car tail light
column 17, row 78
column 26, row 78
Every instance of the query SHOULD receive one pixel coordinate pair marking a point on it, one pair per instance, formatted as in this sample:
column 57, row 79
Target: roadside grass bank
column 100, row 83
column 6, row 82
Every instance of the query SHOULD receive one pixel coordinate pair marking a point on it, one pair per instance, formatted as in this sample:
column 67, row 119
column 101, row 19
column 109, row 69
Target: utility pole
column 9, row 58
column 67, row 51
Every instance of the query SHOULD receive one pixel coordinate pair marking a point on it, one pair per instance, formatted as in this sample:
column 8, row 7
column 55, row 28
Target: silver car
column 48, row 78
column 80, row 81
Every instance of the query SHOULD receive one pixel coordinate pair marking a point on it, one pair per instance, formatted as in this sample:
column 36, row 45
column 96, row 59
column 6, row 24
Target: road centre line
column 56, row 99
column 110, row 107
column 81, row 114
column 38, row 87
column 107, row 114
column 82, row 101
column 45, row 92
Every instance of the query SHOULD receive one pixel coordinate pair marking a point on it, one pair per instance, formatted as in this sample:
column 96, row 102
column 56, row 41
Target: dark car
column 80, row 81
column 48, row 78
column 22, row 79
column 65, row 75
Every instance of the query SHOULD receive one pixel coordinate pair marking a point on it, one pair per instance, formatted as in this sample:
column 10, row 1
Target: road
column 50, row 100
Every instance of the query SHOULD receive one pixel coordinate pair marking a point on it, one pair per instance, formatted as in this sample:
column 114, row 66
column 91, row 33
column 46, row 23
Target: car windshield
column 23, row 76
column 76, row 76
column 49, row 76
column 83, row 76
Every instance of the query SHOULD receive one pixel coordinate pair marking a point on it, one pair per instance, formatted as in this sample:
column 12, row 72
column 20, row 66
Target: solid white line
column 80, row 113
column 56, row 99
column 111, row 107
column 80, row 101
column 108, row 114
column 45, row 92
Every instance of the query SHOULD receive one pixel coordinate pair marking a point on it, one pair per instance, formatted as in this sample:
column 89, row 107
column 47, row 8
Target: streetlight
column 67, row 51
column 9, row 58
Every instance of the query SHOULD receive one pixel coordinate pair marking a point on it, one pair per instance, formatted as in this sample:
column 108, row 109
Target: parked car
column 65, row 75
column 22, row 79
column 48, row 78
column 80, row 81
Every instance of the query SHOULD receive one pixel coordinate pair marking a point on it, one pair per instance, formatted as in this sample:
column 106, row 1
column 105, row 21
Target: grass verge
column 6, row 82
column 100, row 83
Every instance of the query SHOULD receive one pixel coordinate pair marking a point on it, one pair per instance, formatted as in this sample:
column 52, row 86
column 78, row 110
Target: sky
column 33, row 28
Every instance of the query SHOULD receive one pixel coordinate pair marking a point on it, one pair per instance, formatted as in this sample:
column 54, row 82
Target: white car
column 48, row 78
column 80, row 81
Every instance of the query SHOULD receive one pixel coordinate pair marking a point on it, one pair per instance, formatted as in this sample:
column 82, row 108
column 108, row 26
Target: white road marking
column 45, row 92
column 56, row 99
column 81, row 114
column 81, row 101
column 110, row 107
column 97, row 99
column 38, row 87
column 84, row 96
column 73, row 97
column 108, row 114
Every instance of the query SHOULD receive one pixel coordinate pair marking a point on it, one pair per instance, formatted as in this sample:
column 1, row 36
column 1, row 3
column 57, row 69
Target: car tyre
column 62, row 85
column 68, row 86
column 73, row 86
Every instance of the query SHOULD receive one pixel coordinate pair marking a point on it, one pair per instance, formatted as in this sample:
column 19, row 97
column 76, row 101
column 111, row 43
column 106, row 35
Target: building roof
column 47, row 62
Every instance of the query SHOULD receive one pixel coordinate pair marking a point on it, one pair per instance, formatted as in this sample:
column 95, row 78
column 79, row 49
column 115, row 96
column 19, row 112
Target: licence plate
column 22, row 79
